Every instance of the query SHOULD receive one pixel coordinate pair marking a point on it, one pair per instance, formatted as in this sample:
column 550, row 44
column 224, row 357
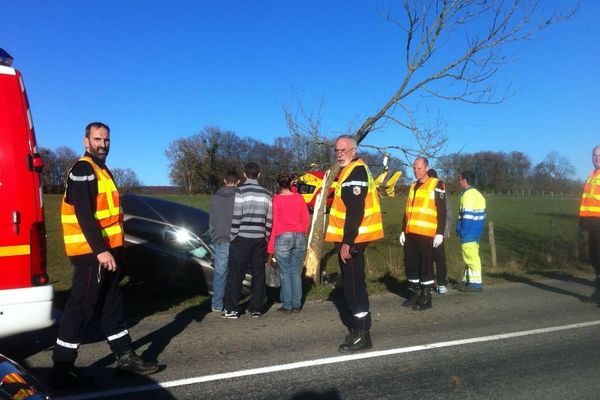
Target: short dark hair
column 231, row 176
column 284, row 180
column 96, row 125
column 251, row 170
column 432, row 173
column 468, row 176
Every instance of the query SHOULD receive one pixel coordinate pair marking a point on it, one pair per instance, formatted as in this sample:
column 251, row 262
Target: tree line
column 198, row 163
column 59, row 161
column 511, row 173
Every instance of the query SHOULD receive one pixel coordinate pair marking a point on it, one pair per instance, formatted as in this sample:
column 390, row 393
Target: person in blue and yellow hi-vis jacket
column 471, row 217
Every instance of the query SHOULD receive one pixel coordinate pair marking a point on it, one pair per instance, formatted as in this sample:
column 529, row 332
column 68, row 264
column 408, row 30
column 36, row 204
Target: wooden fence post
column 492, row 239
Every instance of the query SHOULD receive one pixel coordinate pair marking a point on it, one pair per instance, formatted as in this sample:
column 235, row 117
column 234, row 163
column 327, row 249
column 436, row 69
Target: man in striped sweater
column 250, row 230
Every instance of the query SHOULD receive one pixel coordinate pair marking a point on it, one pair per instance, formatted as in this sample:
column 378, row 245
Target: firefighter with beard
column 589, row 218
column 92, row 222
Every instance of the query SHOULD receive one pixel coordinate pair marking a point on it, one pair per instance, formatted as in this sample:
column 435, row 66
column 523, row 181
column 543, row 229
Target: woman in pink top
column 288, row 242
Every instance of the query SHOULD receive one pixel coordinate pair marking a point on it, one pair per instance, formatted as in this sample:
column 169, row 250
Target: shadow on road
column 393, row 285
column 271, row 297
column 336, row 296
column 331, row 394
column 160, row 338
column 19, row 347
column 109, row 385
column 545, row 286
column 565, row 277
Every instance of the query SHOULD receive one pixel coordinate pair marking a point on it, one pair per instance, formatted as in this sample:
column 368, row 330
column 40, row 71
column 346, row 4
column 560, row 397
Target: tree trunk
column 315, row 245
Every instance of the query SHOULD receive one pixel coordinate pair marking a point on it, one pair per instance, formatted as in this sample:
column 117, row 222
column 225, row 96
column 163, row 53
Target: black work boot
column 356, row 341
column 65, row 375
column 130, row 362
column 424, row 301
column 349, row 336
column 414, row 297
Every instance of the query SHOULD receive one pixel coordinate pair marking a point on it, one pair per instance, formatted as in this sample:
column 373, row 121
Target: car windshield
column 207, row 238
column 180, row 227
column 182, row 239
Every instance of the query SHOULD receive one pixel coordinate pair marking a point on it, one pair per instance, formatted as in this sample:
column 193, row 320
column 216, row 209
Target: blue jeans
column 290, row 248
column 220, row 276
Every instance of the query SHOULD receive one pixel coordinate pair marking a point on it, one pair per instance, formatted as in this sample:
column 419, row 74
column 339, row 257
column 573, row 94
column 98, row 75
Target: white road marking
column 322, row 361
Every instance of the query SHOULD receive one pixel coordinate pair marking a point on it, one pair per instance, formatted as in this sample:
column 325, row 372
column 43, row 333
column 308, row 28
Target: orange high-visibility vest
column 371, row 227
column 590, row 199
column 421, row 212
column 108, row 214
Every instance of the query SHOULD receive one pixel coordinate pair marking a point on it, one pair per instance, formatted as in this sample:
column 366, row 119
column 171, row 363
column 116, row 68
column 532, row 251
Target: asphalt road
column 521, row 340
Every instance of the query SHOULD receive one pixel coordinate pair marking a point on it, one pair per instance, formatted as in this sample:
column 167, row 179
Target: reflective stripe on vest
column 590, row 199
column 108, row 214
column 421, row 212
column 371, row 227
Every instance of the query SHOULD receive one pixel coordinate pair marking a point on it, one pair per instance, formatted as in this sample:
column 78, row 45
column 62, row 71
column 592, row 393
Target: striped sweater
column 252, row 211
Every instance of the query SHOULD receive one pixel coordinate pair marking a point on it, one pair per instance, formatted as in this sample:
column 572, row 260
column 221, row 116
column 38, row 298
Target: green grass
column 535, row 238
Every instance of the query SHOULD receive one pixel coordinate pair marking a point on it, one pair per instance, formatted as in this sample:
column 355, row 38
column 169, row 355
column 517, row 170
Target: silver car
column 169, row 243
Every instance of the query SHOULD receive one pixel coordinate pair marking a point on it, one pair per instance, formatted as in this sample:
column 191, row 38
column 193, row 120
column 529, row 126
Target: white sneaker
column 230, row 314
column 441, row 289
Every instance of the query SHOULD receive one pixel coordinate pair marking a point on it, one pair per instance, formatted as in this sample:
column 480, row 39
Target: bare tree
column 184, row 162
column 57, row 164
column 218, row 154
column 311, row 148
column 553, row 173
column 48, row 178
column 126, row 180
column 199, row 163
column 452, row 50
column 494, row 171
column 519, row 166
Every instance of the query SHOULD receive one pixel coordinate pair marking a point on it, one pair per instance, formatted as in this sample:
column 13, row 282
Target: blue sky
column 156, row 71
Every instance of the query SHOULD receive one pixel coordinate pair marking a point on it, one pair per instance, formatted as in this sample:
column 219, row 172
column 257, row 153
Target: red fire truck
column 25, row 295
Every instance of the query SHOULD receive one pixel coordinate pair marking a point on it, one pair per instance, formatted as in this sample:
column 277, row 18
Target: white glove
column 437, row 240
column 402, row 238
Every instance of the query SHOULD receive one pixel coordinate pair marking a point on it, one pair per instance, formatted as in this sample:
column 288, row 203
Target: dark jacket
column 221, row 212
column 355, row 204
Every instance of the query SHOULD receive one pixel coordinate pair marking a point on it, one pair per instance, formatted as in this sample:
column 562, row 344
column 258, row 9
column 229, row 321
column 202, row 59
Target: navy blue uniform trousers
column 95, row 290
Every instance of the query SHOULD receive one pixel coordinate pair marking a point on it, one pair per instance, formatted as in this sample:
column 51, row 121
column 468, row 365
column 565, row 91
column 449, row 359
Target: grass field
column 535, row 238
